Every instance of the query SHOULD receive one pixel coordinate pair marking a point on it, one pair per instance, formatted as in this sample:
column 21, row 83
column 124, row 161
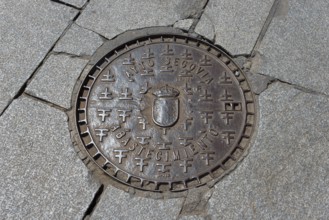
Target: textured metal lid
column 165, row 113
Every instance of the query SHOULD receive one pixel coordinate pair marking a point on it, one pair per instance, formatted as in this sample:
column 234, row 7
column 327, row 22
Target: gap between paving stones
column 94, row 202
column 264, row 29
column 83, row 57
column 197, row 19
column 102, row 36
column 69, row 5
column 45, row 102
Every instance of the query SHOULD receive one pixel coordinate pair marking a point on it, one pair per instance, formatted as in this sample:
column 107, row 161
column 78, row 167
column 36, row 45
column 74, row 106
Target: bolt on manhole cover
column 165, row 113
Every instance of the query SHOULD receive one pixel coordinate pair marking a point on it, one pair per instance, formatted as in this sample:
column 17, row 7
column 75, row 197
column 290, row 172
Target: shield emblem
column 166, row 106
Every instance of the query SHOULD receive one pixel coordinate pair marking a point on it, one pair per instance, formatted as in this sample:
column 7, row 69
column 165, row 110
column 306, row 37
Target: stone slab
column 285, row 175
column 110, row 18
column 28, row 30
column 77, row 3
column 184, row 24
column 258, row 82
column 41, row 175
column 79, row 41
column 117, row 204
column 234, row 24
column 55, row 80
column 295, row 48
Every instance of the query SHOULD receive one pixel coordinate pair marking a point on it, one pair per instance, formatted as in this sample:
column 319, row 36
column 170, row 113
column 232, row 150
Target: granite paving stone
column 285, row 175
column 258, row 82
column 117, row 204
column 295, row 48
column 77, row 3
column 110, row 18
column 184, row 24
column 41, row 175
column 55, row 80
column 236, row 24
column 79, row 41
column 28, row 28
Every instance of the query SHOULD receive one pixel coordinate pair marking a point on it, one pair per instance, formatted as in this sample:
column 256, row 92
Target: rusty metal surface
column 165, row 113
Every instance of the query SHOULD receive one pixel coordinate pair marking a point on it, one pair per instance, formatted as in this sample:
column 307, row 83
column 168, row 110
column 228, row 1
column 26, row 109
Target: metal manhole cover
column 165, row 113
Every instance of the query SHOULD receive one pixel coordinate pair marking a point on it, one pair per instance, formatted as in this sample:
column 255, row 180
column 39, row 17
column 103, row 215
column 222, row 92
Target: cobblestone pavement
column 283, row 46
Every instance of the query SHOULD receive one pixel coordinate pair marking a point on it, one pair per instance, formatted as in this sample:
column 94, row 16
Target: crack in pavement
column 266, row 25
column 66, row 4
column 197, row 19
column 93, row 203
column 44, row 102
column 196, row 202
column 83, row 57
column 100, row 35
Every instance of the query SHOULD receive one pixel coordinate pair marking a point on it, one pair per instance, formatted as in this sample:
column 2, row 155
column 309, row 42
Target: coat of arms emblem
column 166, row 106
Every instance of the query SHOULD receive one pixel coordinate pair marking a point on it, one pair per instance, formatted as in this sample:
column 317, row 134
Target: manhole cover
column 165, row 113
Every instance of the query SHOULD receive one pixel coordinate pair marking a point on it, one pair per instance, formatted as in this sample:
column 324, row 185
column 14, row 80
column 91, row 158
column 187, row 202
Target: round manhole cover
column 165, row 113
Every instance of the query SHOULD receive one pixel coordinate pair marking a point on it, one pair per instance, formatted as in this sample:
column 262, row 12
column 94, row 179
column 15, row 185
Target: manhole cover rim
column 243, row 144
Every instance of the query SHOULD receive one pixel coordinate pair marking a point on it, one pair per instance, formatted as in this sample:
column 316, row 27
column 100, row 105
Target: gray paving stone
column 55, row 80
column 296, row 46
column 41, row 175
column 28, row 30
column 236, row 24
column 117, row 204
column 79, row 41
column 111, row 18
column 184, row 24
column 258, row 82
column 285, row 175
column 195, row 204
column 206, row 28
column 77, row 3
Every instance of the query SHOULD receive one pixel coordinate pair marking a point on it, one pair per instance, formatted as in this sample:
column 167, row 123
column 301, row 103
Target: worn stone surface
column 196, row 202
column 184, row 24
column 206, row 28
column 296, row 46
column 79, row 41
column 41, row 175
column 77, row 3
column 285, row 175
column 236, row 24
column 55, row 80
column 258, row 82
column 118, row 204
column 111, row 18
column 28, row 30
